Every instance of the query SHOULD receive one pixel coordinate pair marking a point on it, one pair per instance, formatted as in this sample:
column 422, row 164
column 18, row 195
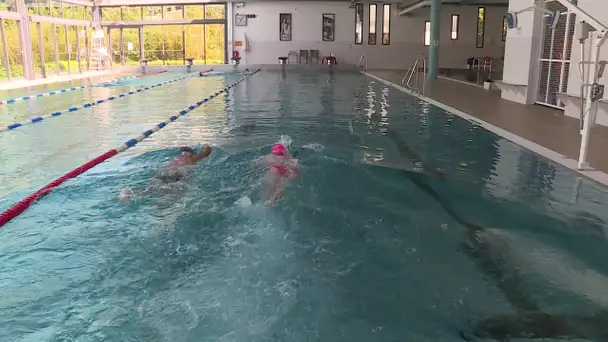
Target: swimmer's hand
column 125, row 195
column 204, row 153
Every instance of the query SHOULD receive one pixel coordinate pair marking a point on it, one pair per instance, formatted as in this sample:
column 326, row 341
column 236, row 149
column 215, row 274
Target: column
column 25, row 41
column 435, row 33
column 142, row 52
column 521, row 65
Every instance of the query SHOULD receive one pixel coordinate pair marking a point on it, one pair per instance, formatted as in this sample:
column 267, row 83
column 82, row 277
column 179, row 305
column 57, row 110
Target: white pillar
column 522, row 49
column 591, row 107
column 229, row 30
column 25, row 40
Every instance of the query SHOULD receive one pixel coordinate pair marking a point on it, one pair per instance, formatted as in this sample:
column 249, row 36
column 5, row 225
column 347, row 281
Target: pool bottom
column 353, row 252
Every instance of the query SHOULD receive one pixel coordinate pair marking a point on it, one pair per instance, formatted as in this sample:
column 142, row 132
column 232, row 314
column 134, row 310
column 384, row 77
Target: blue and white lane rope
column 87, row 105
column 29, row 97
column 132, row 142
column 22, row 205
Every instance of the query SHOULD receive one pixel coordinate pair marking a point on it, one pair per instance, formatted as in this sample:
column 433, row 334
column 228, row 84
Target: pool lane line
column 21, row 206
column 151, row 73
column 67, row 90
column 36, row 119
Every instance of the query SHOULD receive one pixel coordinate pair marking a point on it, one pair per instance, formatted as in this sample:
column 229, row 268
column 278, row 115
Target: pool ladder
column 362, row 64
column 414, row 73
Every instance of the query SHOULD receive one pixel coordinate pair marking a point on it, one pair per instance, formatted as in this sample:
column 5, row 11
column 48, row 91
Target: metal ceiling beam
column 138, row 23
column 426, row 3
column 86, row 3
column 414, row 6
column 586, row 17
column 59, row 21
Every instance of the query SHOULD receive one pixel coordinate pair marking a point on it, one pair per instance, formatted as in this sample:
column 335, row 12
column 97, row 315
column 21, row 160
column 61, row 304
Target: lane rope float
column 90, row 104
column 61, row 91
column 21, row 206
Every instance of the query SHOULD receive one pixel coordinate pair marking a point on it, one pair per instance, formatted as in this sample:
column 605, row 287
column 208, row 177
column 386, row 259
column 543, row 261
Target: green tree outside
column 164, row 44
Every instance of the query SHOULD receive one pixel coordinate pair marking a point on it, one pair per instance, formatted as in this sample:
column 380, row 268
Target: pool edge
column 594, row 175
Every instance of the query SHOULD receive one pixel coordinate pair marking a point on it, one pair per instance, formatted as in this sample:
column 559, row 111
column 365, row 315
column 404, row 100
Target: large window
column 373, row 15
column 386, row 24
column 427, row 33
column 455, row 22
column 481, row 25
column 167, row 44
column 358, row 23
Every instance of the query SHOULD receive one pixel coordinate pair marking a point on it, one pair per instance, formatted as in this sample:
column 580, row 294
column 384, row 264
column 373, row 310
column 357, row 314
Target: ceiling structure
column 405, row 6
column 409, row 6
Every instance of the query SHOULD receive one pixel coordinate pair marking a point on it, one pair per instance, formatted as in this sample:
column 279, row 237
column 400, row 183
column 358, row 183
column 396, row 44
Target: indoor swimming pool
column 408, row 223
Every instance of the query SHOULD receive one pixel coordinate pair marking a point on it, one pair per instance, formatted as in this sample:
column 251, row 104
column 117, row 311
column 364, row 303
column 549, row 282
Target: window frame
column 427, row 33
column 388, row 33
column 359, row 5
column 457, row 32
column 479, row 44
column 369, row 26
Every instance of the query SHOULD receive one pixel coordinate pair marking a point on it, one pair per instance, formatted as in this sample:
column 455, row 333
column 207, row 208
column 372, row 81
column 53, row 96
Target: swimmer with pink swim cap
column 282, row 168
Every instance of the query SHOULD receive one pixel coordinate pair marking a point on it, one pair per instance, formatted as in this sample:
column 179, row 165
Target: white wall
column 522, row 51
column 407, row 34
column 599, row 10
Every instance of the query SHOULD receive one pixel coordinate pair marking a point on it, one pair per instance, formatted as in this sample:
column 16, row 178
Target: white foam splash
column 285, row 140
column 314, row 146
column 243, row 202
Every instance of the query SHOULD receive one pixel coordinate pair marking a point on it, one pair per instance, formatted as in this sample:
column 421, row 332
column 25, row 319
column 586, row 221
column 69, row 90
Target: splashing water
column 314, row 146
column 243, row 202
column 285, row 140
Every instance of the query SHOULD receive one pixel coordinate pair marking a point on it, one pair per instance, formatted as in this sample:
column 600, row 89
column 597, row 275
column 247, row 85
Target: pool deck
column 543, row 130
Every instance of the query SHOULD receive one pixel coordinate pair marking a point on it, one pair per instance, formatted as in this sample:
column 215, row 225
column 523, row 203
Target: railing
column 362, row 64
column 485, row 64
column 414, row 73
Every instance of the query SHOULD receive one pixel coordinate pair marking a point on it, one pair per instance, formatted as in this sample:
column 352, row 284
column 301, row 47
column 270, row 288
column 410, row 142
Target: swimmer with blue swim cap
column 177, row 170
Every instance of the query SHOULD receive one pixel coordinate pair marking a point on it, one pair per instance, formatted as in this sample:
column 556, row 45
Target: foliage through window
column 505, row 29
column 481, row 26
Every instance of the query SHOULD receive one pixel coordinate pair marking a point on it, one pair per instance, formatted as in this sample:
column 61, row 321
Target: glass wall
column 12, row 65
column 54, row 46
column 57, row 36
column 170, row 33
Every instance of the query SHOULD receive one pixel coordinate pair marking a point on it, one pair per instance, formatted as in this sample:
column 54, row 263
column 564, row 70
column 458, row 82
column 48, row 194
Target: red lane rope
column 151, row 73
column 20, row 207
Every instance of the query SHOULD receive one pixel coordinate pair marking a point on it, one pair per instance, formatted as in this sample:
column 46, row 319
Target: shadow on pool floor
column 530, row 321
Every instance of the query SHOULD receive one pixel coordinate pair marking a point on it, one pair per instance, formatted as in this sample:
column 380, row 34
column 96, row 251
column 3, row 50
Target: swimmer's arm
column 294, row 164
column 261, row 161
column 204, row 153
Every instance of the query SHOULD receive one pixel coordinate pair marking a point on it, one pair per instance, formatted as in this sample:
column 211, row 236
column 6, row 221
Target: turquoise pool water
column 409, row 224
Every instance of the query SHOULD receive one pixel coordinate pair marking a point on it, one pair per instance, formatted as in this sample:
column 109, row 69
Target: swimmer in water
column 177, row 170
column 282, row 168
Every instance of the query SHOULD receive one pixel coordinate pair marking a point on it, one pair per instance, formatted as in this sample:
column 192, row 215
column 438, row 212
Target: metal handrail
column 414, row 70
column 362, row 64
column 480, row 63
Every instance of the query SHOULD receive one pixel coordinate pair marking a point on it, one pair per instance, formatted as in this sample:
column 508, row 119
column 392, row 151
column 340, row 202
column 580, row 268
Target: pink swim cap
column 279, row 149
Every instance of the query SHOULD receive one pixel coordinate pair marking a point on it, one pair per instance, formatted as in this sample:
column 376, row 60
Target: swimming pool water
column 409, row 224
